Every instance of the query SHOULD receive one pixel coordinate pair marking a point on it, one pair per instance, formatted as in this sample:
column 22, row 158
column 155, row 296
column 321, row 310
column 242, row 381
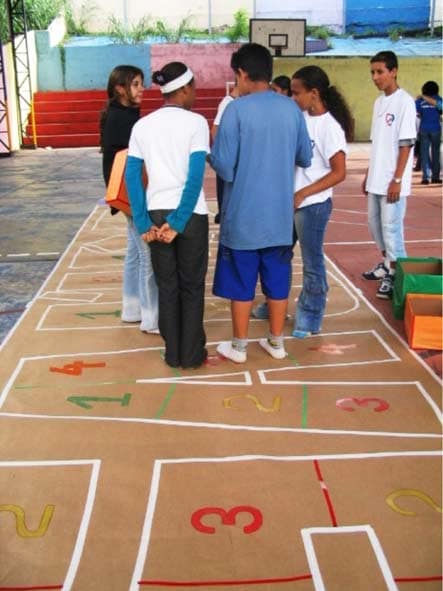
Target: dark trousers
column 180, row 270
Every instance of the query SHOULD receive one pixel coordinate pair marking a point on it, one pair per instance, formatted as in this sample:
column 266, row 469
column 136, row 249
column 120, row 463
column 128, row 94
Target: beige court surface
column 119, row 473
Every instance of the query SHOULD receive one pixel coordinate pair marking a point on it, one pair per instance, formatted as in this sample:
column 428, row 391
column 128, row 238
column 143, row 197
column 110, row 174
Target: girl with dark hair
column 282, row 85
column 329, row 124
column 172, row 215
column 140, row 294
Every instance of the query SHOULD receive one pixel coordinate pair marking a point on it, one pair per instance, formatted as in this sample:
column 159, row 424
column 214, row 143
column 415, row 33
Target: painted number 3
column 227, row 518
column 349, row 404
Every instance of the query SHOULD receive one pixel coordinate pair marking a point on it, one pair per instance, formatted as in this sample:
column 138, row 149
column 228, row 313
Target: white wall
column 203, row 12
column 329, row 13
column 438, row 18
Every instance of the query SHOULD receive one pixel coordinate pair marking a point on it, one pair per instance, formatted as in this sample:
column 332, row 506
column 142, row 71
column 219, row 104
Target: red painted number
column 227, row 518
column 348, row 403
column 76, row 368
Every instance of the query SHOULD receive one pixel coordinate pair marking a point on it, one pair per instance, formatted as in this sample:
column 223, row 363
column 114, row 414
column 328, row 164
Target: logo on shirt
column 389, row 118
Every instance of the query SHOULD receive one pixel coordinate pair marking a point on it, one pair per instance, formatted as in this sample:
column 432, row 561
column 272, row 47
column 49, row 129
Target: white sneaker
column 226, row 350
column 275, row 352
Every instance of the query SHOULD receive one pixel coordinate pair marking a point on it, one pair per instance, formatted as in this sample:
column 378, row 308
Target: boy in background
column 429, row 108
column 388, row 180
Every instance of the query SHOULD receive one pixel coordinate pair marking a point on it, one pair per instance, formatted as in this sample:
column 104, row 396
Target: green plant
column 39, row 15
column 319, row 32
column 170, row 34
column 240, row 28
column 143, row 28
column 78, row 24
column 395, row 33
column 135, row 34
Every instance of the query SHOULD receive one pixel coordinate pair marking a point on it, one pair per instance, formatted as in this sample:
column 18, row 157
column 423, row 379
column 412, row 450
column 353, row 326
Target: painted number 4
column 76, row 368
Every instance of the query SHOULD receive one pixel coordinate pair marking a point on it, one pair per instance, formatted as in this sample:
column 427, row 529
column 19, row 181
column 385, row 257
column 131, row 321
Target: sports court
column 320, row 471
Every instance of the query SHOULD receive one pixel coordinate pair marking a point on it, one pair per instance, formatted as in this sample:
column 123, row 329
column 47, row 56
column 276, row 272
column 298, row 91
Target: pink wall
column 197, row 56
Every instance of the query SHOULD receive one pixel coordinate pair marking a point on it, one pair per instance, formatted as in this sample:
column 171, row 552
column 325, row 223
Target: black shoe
column 425, row 182
column 436, row 181
column 386, row 287
column 377, row 273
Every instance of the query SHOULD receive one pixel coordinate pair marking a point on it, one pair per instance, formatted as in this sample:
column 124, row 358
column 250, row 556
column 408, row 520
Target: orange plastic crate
column 424, row 321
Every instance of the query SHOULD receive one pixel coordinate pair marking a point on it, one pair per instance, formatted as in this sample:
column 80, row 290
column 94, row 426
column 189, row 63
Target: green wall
column 351, row 75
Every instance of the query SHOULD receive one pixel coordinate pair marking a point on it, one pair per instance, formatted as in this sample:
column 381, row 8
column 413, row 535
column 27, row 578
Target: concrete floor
column 44, row 197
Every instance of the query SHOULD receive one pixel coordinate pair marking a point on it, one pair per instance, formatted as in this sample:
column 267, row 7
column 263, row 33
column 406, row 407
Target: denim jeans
column 140, row 292
column 386, row 225
column 430, row 140
column 310, row 226
column 180, row 268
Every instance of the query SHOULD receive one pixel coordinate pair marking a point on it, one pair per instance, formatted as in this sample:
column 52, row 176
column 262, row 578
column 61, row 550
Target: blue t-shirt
column 429, row 114
column 261, row 138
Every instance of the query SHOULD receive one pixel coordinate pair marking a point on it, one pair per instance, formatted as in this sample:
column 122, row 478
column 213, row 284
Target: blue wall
column 381, row 16
column 85, row 67
column 50, row 63
column 89, row 67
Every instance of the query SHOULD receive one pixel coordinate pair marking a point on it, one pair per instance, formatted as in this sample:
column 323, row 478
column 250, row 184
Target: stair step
column 86, row 95
column 65, row 141
column 71, row 118
column 98, row 104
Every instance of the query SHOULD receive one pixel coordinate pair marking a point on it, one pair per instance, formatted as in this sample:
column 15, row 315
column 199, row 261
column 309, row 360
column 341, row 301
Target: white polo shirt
column 165, row 139
column 393, row 119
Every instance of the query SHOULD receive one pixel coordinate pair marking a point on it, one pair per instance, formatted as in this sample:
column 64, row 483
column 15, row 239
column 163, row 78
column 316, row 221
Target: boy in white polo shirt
column 388, row 180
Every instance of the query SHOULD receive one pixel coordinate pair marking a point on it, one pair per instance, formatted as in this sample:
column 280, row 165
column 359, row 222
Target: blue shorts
column 237, row 271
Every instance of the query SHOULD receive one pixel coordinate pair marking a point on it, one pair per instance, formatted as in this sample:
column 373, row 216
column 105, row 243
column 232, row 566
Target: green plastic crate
column 415, row 275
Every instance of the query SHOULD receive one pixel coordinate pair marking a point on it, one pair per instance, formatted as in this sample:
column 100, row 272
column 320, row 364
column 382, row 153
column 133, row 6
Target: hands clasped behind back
column 163, row 234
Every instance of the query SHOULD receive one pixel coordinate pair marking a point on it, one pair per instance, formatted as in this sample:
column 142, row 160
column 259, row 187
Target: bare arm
column 394, row 188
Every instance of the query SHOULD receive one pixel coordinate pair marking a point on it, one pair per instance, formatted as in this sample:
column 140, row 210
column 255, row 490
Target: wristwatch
column 397, row 179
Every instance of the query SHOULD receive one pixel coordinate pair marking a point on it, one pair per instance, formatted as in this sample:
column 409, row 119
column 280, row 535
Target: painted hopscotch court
column 321, row 471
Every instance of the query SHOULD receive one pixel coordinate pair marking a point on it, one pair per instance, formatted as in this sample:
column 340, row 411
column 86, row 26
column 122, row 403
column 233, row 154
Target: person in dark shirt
column 140, row 292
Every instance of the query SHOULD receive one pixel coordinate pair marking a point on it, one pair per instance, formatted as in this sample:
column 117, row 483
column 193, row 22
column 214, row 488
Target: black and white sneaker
column 386, row 287
column 378, row 272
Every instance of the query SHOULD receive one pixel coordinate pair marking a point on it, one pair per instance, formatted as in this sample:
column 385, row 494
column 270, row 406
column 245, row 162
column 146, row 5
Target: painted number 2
column 22, row 529
column 227, row 518
column 391, row 500
column 276, row 403
column 349, row 404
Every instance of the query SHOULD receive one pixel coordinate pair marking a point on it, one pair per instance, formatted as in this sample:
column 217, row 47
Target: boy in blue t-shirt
column 429, row 109
column 261, row 138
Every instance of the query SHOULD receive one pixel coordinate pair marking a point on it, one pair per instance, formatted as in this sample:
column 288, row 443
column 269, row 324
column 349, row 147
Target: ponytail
column 339, row 109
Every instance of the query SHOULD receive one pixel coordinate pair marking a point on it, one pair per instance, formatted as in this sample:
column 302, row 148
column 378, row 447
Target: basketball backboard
column 283, row 37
